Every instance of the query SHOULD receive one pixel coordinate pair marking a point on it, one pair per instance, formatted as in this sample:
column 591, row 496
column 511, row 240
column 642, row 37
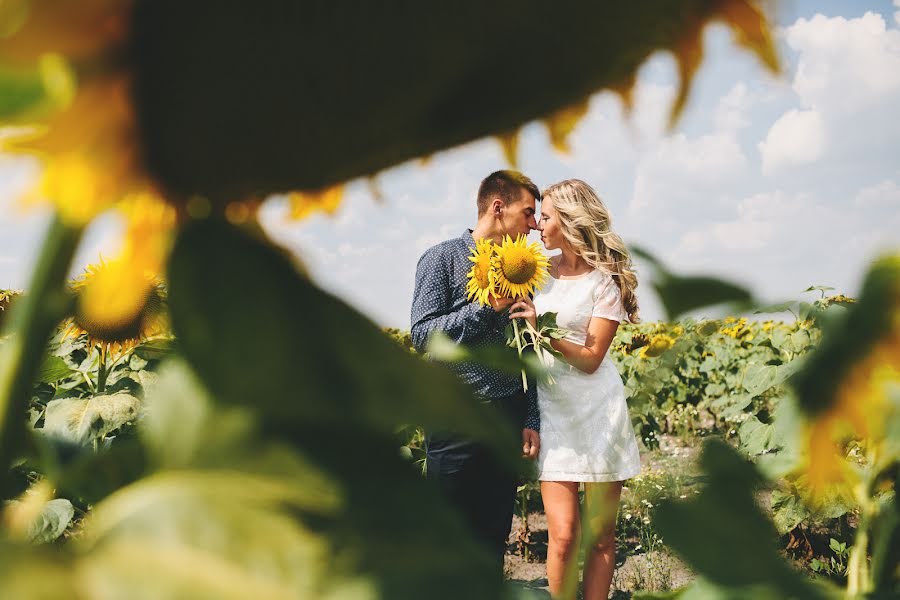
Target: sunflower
column 657, row 346
column 117, row 307
column 519, row 267
column 481, row 275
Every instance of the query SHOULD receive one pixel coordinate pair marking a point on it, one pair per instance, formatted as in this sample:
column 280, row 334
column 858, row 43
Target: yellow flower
column 859, row 411
column 658, row 345
column 519, row 267
column 481, row 276
column 118, row 307
column 121, row 302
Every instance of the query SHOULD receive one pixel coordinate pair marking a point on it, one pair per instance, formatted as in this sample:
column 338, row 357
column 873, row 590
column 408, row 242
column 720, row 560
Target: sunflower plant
column 512, row 269
column 121, row 328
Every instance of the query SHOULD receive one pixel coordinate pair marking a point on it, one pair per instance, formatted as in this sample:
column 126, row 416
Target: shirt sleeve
column 532, row 415
column 432, row 303
column 608, row 301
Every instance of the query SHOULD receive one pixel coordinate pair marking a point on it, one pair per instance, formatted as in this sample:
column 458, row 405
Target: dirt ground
column 636, row 568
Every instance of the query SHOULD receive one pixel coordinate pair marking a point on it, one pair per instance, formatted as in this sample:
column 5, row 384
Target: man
column 471, row 478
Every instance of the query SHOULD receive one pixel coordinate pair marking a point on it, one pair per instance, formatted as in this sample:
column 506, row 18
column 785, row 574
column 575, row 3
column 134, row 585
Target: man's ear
column 496, row 205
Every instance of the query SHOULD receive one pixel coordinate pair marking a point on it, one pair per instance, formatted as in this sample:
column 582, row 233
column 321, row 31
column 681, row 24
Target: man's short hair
column 504, row 185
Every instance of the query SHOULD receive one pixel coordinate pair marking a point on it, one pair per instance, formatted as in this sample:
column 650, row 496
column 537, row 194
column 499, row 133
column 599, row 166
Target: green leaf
column 53, row 369
column 759, row 378
column 756, row 437
column 818, row 288
column 500, row 357
column 52, row 522
column 155, row 349
column 787, row 511
column 729, row 517
column 352, row 374
column 886, row 542
column 848, row 340
column 81, row 420
column 776, row 308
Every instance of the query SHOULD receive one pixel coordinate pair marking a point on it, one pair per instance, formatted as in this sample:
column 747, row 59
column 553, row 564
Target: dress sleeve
column 608, row 301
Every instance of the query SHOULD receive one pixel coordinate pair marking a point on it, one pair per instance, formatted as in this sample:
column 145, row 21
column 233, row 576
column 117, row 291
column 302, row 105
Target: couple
column 577, row 428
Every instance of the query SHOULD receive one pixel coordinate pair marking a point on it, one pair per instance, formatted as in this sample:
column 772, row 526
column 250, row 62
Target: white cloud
column 732, row 112
column 797, row 137
column 845, row 65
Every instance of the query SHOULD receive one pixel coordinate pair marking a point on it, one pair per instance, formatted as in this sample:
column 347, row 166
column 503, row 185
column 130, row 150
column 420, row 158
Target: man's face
column 518, row 216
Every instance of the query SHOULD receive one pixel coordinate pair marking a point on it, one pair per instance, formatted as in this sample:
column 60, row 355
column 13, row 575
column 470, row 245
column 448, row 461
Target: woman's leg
column 601, row 505
column 561, row 507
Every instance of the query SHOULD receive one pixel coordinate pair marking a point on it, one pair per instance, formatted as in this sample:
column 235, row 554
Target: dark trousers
column 475, row 482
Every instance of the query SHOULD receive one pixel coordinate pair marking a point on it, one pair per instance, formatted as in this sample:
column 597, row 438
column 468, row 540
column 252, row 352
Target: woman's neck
column 570, row 263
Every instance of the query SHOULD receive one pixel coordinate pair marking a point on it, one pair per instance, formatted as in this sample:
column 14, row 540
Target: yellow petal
column 689, row 54
column 326, row 200
column 77, row 190
column 750, row 30
column 563, row 122
column 114, row 297
column 509, row 142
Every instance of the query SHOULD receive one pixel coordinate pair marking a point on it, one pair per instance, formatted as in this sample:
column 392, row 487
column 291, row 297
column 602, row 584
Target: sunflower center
column 518, row 264
column 482, row 268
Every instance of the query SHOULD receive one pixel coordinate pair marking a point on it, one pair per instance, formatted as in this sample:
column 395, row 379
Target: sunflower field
column 198, row 419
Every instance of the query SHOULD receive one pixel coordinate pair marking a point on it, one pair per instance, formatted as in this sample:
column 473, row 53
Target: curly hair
column 587, row 226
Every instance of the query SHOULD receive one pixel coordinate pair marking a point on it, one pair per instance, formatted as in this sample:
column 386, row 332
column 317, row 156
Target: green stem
column 857, row 566
column 31, row 324
column 102, row 371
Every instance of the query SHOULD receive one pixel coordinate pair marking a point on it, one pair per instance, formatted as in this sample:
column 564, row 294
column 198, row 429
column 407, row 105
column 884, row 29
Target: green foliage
column 752, row 562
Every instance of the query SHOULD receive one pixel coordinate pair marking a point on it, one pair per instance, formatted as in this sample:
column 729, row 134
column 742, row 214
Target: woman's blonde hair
column 586, row 224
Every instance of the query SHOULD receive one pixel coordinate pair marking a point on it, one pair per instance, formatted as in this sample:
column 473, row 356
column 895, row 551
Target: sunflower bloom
column 657, row 346
column 118, row 306
column 481, row 276
column 859, row 411
column 519, row 267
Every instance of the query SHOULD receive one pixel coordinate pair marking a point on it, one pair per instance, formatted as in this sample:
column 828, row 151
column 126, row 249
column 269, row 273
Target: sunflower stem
column 102, row 371
column 30, row 326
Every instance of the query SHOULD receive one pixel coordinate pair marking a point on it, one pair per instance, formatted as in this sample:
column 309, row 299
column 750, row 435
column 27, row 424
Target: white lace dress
column 586, row 432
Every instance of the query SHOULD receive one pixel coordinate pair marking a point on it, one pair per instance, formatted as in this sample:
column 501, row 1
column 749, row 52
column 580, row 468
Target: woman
column 586, row 433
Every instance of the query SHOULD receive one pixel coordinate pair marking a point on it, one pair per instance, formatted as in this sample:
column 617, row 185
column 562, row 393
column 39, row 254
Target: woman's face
column 551, row 234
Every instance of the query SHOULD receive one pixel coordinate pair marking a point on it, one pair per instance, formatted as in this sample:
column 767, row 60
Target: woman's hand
column 523, row 308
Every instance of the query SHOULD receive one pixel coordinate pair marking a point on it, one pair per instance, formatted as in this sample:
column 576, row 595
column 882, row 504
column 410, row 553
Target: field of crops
column 197, row 418
column 692, row 381
column 688, row 382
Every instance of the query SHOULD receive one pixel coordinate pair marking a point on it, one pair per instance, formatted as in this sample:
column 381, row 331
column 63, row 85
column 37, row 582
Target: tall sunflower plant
column 512, row 269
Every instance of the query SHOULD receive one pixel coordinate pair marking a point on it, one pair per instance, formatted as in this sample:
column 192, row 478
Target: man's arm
column 531, row 439
column 432, row 301
column 533, row 415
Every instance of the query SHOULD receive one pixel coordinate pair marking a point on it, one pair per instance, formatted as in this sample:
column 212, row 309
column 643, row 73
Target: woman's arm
column 588, row 357
column 585, row 357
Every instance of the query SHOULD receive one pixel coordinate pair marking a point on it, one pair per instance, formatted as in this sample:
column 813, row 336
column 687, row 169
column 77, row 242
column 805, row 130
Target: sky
column 775, row 182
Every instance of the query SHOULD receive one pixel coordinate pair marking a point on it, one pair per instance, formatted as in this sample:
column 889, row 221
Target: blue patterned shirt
column 439, row 303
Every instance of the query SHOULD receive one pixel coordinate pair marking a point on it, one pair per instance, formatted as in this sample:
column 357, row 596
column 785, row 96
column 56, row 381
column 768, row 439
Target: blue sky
column 778, row 183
